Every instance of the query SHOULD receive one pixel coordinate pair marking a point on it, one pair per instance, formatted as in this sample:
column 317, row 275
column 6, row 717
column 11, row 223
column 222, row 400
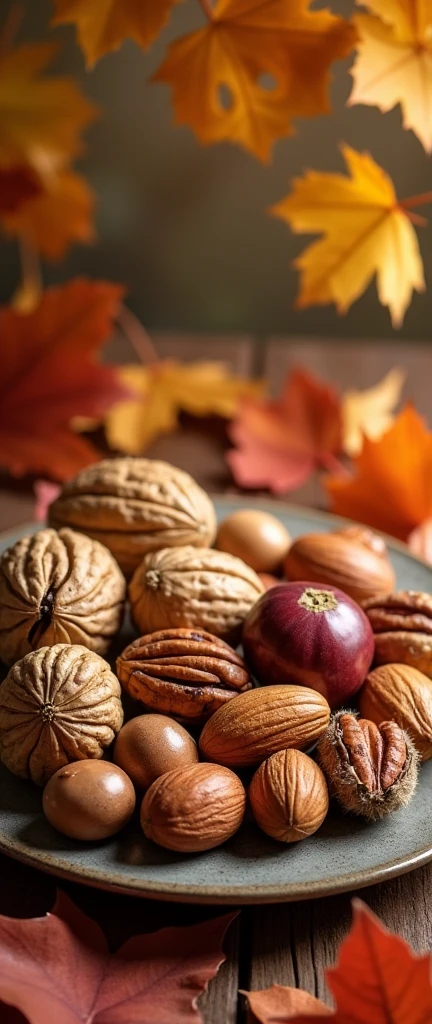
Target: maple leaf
column 366, row 231
column 377, row 979
column 391, row 487
column 370, row 412
column 102, row 28
column 58, row 968
column 280, row 443
column 394, row 62
column 17, row 186
column 57, row 218
column 49, row 373
column 40, row 118
column 242, row 41
column 164, row 390
column 280, row 1003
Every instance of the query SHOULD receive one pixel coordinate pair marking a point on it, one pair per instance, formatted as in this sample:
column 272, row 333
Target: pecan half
column 402, row 624
column 186, row 673
column 372, row 770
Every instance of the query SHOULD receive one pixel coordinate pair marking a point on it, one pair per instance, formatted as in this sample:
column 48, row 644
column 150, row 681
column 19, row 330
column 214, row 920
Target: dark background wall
column 185, row 226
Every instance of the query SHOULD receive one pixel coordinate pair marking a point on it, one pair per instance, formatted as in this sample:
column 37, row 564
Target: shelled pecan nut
column 186, row 673
column 402, row 624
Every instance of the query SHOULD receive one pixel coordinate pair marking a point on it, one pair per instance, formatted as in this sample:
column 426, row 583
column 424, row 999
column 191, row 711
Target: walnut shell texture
column 402, row 625
column 261, row 722
column 190, row 587
column 401, row 694
column 57, row 705
column 194, row 808
column 58, row 588
column 187, row 673
column 354, row 559
column 289, row 796
column 136, row 505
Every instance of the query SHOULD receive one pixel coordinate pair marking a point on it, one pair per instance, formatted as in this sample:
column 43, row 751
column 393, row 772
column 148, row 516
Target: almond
column 354, row 559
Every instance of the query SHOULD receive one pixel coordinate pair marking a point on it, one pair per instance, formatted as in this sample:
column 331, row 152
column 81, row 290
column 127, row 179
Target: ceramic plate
column 345, row 853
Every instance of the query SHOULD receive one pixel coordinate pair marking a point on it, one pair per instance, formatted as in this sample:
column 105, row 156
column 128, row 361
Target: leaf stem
column 206, row 7
column 30, row 288
column 416, row 218
column 421, row 200
column 137, row 336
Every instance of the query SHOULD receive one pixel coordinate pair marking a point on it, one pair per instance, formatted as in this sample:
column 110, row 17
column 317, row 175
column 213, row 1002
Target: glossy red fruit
column 309, row 634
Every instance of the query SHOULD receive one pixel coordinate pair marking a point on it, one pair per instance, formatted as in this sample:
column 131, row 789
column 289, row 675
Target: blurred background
column 186, row 227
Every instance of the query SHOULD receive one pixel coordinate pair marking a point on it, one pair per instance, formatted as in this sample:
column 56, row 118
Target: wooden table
column 291, row 943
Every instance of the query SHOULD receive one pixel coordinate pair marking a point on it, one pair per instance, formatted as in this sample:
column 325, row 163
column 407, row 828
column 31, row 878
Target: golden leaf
column 370, row 412
column 103, row 26
column 365, row 232
column 57, row 218
column 165, row 389
column 242, row 42
column 394, row 62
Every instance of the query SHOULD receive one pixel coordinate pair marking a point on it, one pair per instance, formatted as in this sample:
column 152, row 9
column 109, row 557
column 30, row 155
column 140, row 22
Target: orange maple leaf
column 394, row 62
column 61, row 215
column 242, row 42
column 391, row 487
column 50, row 373
column 378, row 980
column 102, row 28
column 280, row 443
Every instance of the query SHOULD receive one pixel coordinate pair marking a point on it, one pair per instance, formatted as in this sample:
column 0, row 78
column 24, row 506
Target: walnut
column 58, row 588
column 57, row 705
column 134, row 506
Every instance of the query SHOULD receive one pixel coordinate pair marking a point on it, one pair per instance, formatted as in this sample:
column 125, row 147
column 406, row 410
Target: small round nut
column 401, row 694
column 289, row 797
column 151, row 745
column 354, row 559
column 193, row 809
column 259, row 538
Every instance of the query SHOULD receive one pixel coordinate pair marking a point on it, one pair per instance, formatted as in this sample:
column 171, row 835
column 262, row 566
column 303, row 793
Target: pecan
column 371, row 769
column 402, row 624
column 186, row 673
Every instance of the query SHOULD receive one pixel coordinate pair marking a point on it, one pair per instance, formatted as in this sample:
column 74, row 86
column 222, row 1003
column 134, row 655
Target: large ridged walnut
column 58, row 588
column 134, row 506
column 186, row 673
column 57, row 705
column 402, row 625
column 190, row 587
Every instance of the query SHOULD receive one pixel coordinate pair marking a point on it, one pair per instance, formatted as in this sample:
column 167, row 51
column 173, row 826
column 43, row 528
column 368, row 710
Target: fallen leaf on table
column 420, row 541
column 50, row 373
column 279, row 1003
column 167, row 388
column 17, row 186
column 102, row 28
column 242, row 42
column 41, row 119
column 63, row 214
column 280, row 443
column 391, row 484
column 394, row 62
column 371, row 412
column 365, row 232
column 58, row 968
column 378, row 980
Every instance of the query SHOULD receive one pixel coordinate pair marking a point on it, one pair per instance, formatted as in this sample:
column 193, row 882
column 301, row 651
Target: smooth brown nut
column 402, row 694
column 89, row 800
column 289, row 797
column 58, row 588
column 193, row 809
column 187, row 673
column 257, row 537
column 57, row 705
column 402, row 624
column 354, row 559
column 136, row 505
column 371, row 769
column 191, row 587
column 256, row 724
column 151, row 745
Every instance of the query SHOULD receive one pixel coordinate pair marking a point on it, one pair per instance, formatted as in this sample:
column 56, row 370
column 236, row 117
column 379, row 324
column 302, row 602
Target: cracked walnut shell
column 58, row 588
column 179, row 587
column 135, row 506
column 57, row 705
column 187, row 673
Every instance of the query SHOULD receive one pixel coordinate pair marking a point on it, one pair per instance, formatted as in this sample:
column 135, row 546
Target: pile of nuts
column 331, row 696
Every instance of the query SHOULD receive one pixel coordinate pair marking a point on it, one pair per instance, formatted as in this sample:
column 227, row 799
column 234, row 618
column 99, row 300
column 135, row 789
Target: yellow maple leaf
column 103, row 25
column 365, row 232
column 394, row 62
column 40, row 118
column 242, row 42
column 370, row 412
column 61, row 215
column 164, row 390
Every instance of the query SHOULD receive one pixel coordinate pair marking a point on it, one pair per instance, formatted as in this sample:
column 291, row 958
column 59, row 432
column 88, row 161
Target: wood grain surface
column 291, row 944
